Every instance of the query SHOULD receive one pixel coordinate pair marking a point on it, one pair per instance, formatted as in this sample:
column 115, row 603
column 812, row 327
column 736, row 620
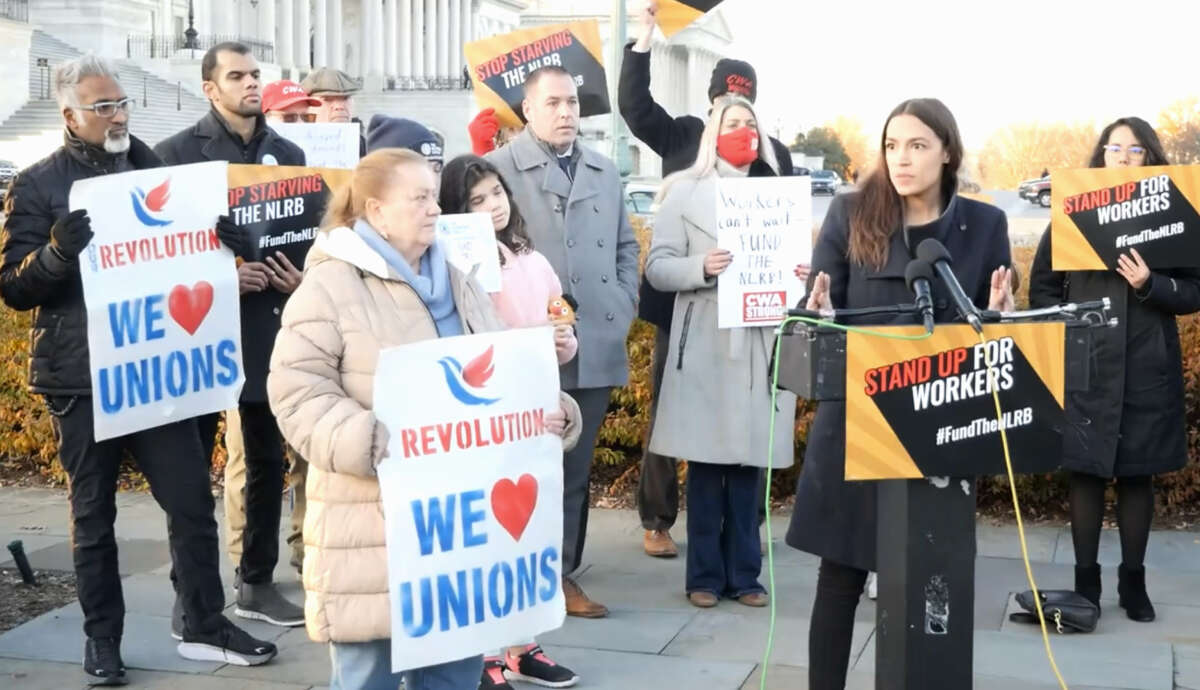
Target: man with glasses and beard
column 41, row 247
column 236, row 131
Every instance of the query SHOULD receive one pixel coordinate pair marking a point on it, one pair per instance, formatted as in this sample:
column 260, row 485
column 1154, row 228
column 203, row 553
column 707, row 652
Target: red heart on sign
column 513, row 504
column 189, row 306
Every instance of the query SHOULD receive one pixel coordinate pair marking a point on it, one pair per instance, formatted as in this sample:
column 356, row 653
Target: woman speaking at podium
column 868, row 238
column 1130, row 424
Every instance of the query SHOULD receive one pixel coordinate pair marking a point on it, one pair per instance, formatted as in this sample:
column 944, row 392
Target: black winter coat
column 676, row 140
column 833, row 518
column 210, row 139
column 34, row 277
column 1132, row 421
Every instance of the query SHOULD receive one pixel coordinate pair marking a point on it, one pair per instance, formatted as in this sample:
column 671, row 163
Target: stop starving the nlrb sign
column 472, row 493
column 164, row 334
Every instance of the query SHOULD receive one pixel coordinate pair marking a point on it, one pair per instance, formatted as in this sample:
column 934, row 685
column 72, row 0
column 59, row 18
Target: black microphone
column 934, row 253
column 918, row 276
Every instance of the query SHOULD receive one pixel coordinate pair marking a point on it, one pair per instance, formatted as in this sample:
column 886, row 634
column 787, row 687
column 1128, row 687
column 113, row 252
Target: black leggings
column 839, row 588
column 1135, row 511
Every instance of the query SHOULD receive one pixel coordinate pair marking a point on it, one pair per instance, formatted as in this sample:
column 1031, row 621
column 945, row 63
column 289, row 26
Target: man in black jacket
column 41, row 246
column 236, row 131
column 676, row 140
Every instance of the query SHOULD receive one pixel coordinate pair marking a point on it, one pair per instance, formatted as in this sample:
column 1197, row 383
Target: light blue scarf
column 432, row 284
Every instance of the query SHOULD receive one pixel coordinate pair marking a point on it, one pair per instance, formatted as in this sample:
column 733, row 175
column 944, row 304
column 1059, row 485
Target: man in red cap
column 287, row 101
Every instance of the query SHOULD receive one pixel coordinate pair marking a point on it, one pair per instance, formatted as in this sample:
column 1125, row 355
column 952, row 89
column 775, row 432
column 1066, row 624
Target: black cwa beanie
column 733, row 77
column 397, row 132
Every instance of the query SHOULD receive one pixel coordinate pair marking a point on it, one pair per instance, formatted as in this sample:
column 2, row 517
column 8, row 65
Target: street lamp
column 620, row 135
column 189, row 36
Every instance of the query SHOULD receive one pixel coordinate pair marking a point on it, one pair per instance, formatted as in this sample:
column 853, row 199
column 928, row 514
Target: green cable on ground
column 771, row 455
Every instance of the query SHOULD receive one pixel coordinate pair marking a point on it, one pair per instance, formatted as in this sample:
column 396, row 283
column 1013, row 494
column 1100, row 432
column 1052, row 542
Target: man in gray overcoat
column 571, row 199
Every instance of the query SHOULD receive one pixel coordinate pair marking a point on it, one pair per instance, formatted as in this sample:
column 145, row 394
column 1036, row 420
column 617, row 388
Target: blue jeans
column 368, row 666
column 723, row 556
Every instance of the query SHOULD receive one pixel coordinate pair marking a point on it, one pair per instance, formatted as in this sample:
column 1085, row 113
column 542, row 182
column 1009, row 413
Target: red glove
column 483, row 130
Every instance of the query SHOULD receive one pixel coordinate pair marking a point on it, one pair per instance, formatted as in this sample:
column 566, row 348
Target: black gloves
column 71, row 234
column 232, row 236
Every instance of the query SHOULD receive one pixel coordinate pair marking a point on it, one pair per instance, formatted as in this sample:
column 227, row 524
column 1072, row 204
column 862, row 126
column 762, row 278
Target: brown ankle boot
column 578, row 603
column 658, row 543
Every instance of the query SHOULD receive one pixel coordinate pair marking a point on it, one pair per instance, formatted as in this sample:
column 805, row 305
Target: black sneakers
column 532, row 666
column 102, row 661
column 227, row 644
column 265, row 603
column 493, row 675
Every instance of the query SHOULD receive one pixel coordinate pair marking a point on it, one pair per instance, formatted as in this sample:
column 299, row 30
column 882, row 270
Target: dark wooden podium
column 926, row 528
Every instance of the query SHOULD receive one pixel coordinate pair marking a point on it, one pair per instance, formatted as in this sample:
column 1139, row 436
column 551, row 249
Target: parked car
column 800, row 171
column 825, row 182
column 639, row 200
column 967, row 186
column 8, row 170
column 1036, row 191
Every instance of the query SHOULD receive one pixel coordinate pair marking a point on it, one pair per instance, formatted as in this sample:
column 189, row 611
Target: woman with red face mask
column 715, row 405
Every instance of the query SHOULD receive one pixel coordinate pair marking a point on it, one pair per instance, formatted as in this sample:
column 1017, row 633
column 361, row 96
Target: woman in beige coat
column 375, row 278
column 715, row 406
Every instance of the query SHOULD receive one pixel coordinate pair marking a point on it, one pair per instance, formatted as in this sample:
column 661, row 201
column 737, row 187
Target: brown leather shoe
column 703, row 600
column 578, row 603
column 658, row 543
column 755, row 599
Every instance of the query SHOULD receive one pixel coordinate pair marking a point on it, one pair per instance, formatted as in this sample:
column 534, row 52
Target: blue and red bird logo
column 466, row 383
column 148, row 205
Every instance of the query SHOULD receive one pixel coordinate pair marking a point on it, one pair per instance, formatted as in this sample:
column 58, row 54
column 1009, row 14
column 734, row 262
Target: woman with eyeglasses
column 1130, row 424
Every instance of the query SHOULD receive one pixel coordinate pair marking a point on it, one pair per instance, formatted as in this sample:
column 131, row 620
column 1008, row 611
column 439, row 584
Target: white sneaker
column 872, row 586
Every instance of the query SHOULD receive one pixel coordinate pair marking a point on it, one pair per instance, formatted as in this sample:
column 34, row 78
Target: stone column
column 284, row 36
column 303, row 55
column 418, row 39
column 389, row 38
column 320, row 34
column 405, row 32
column 443, row 39
column 266, row 24
column 431, row 39
column 372, row 18
column 454, row 44
column 337, row 48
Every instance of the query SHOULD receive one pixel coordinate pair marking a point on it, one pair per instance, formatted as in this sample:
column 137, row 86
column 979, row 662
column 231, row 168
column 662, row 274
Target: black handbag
column 1066, row 611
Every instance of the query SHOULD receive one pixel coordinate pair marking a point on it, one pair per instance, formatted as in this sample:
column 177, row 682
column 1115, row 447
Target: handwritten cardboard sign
column 325, row 144
column 766, row 224
column 470, row 240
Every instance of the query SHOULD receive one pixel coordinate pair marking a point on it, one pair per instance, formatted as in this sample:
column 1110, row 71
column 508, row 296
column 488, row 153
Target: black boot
column 1131, row 587
column 1087, row 582
column 102, row 661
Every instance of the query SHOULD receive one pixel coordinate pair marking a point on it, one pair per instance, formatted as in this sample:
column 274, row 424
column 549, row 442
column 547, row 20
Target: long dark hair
column 1142, row 131
column 463, row 173
column 880, row 210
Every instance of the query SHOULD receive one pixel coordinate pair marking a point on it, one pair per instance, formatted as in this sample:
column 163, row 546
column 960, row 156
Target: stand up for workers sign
column 472, row 493
column 162, row 297
column 766, row 224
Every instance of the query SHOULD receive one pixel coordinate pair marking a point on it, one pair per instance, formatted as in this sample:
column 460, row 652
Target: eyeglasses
column 297, row 117
column 1133, row 151
column 108, row 109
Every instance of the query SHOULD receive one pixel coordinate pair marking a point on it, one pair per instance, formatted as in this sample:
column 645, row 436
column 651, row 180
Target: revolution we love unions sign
column 161, row 291
column 472, row 493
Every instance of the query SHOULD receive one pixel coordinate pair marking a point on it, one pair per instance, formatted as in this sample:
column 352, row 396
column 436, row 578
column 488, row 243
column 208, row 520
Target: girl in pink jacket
column 528, row 285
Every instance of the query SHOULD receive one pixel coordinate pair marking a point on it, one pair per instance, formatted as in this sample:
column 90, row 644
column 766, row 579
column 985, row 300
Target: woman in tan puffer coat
column 375, row 278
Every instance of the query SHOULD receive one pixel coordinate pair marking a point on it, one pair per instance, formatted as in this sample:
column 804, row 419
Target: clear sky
column 991, row 61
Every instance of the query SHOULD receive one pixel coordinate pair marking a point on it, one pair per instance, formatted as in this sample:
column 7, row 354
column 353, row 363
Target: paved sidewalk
column 654, row 635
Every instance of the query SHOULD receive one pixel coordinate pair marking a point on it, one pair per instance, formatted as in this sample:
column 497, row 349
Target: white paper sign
column 325, row 144
column 766, row 223
column 472, row 493
column 164, row 326
column 469, row 240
